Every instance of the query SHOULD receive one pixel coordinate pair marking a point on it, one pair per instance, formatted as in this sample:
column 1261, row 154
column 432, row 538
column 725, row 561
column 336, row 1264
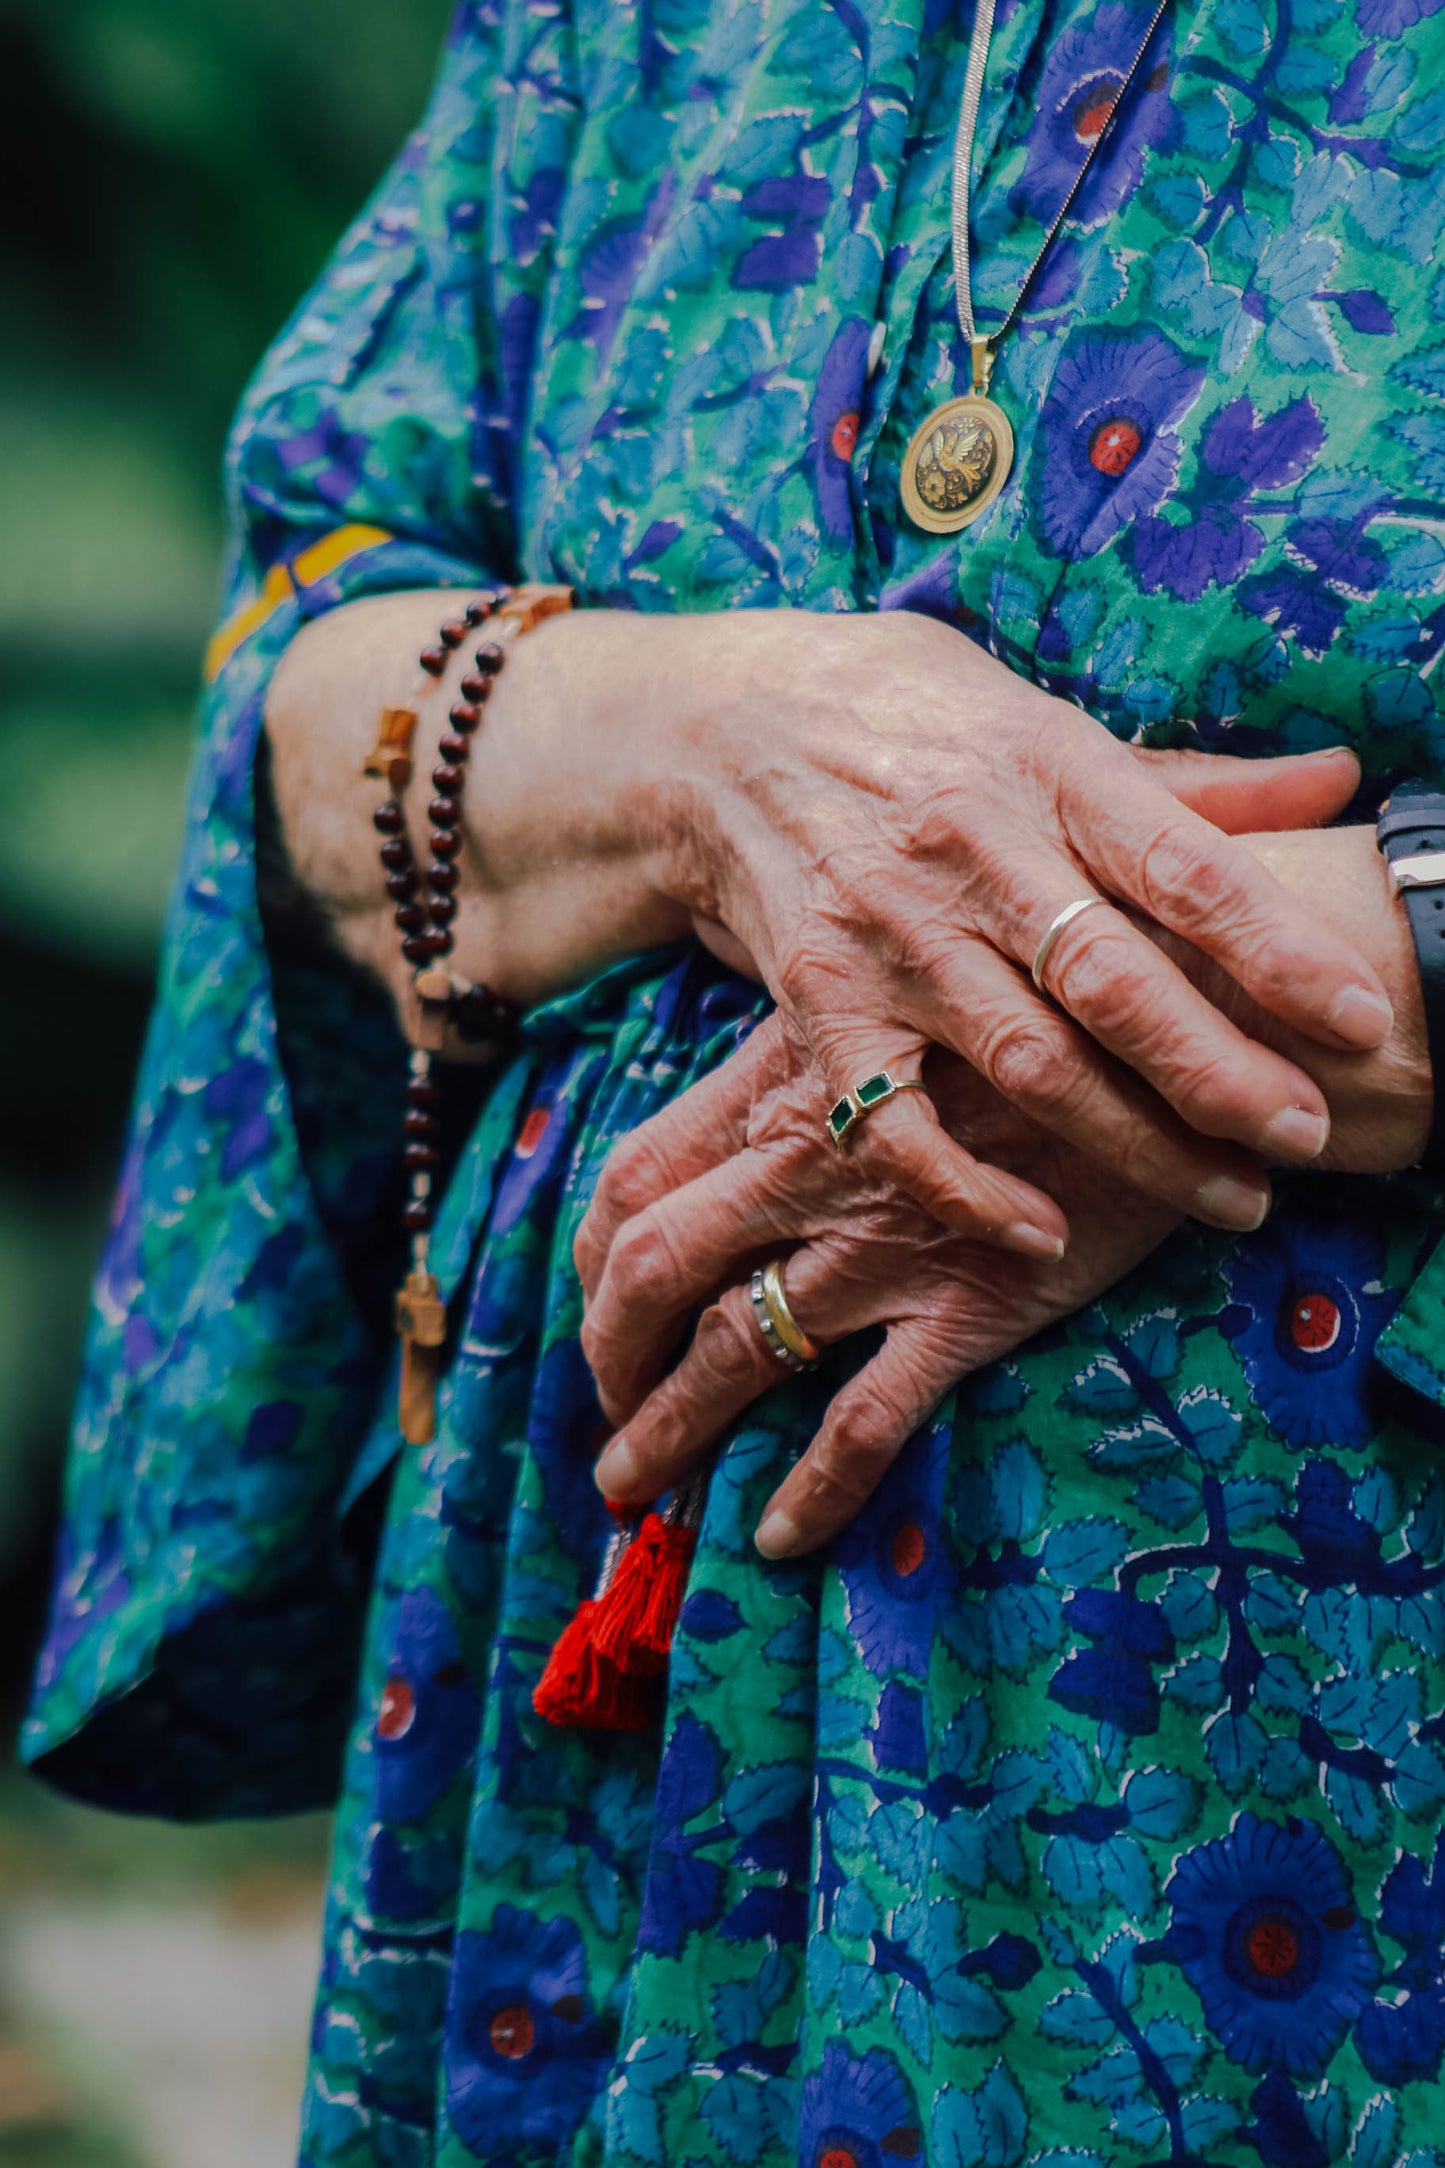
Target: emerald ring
column 854, row 1105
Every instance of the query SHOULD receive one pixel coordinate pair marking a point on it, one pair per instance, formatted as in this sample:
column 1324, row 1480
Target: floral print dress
column 1084, row 1807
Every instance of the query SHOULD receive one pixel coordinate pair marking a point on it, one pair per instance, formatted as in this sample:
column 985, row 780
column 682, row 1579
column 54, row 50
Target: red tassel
column 619, row 1701
column 637, row 1614
column 564, row 1686
column 581, row 1688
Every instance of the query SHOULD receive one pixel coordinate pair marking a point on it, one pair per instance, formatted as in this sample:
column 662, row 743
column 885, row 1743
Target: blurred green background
column 172, row 174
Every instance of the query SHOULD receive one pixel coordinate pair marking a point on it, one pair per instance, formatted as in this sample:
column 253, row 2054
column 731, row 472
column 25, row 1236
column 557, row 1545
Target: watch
column 1410, row 832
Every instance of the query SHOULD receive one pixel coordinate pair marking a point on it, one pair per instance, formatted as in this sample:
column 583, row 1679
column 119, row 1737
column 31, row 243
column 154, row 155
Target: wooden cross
column 391, row 754
column 421, row 1321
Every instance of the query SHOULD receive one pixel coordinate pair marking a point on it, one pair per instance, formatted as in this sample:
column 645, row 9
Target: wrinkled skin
column 892, row 858
column 738, row 1170
column 733, row 1172
column 886, row 819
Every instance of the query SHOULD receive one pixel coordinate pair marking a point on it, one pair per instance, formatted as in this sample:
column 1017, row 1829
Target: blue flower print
column 798, row 203
column 426, row 1721
column 1239, row 454
column 525, row 2054
column 857, row 2112
column 890, row 1561
column 900, row 1737
column 1404, row 2038
column 1265, row 1928
column 237, row 1099
column 1281, row 2133
column 1388, row 18
column 1081, row 80
column 1307, row 1308
column 682, row 1892
column 833, row 424
column 1116, row 1680
column 1107, row 451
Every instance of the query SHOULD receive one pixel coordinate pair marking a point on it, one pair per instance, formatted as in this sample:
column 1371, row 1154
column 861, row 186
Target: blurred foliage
column 172, row 174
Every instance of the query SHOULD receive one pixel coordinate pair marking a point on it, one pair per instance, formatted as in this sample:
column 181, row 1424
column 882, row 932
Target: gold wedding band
column 1055, row 927
column 785, row 1337
column 850, row 1110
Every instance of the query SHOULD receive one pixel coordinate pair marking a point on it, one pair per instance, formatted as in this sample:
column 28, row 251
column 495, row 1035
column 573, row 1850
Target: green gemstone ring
column 844, row 1118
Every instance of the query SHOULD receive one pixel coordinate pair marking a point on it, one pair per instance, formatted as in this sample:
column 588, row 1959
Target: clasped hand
column 888, row 865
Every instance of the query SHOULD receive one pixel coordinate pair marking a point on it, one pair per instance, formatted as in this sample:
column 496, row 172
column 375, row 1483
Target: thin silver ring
column 1055, row 927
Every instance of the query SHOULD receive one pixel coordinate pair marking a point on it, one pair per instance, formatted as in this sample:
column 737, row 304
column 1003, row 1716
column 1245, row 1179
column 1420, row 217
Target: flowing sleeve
column 201, row 1645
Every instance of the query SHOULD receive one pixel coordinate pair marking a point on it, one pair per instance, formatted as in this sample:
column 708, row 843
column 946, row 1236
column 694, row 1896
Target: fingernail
column 777, row 1535
column 1295, row 1133
column 1364, row 1018
column 1232, row 1203
column 1031, row 1241
column 616, row 1472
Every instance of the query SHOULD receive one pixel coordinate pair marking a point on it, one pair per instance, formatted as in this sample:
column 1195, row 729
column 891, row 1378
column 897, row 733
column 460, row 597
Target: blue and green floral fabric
column 1085, row 1806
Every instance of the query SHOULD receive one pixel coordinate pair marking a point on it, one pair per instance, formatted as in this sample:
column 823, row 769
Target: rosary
column 424, row 904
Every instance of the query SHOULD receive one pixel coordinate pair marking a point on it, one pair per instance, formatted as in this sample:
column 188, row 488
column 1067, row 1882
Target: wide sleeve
column 201, row 1645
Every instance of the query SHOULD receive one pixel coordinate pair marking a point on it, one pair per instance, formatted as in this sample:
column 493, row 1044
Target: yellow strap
column 280, row 584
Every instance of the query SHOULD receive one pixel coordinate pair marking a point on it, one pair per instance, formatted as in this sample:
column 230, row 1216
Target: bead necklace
column 424, row 907
column 960, row 455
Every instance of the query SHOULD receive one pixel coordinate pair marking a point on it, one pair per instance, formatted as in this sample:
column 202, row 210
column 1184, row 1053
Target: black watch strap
column 1411, row 835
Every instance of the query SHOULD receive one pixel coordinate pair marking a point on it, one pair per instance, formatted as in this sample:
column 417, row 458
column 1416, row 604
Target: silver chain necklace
column 960, row 456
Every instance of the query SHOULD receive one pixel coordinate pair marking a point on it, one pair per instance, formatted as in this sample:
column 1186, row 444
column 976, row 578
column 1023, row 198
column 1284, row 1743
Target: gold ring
column 844, row 1117
column 1055, row 927
column 785, row 1337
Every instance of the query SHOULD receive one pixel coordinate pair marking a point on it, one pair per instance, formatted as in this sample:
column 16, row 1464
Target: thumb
column 1294, row 790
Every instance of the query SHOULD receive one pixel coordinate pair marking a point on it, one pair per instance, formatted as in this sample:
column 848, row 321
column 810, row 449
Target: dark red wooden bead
column 475, row 688
column 395, row 853
column 453, row 632
column 433, row 660
column 465, row 715
column 417, row 1216
column 388, row 819
column 419, row 948
column 421, row 1156
column 477, row 612
column 443, row 813
column 442, row 876
column 447, row 779
column 411, row 917
column 443, row 909
column 421, row 1092
column 401, row 885
column 451, row 746
column 445, row 843
column 417, row 1122
column 489, row 658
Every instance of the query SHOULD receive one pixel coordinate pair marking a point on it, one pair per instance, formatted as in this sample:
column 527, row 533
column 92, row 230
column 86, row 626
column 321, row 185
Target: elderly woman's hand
column 889, row 821
column 733, row 1172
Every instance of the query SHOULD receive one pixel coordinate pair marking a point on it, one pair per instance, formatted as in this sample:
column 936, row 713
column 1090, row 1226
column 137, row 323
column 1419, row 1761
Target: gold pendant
column 957, row 463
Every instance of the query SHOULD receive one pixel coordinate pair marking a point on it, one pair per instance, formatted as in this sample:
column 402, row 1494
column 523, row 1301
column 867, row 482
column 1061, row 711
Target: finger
column 902, row 1141
column 1129, row 998
column 1038, row 1060
column 1138, row 1004
column 703, row 1126
column 1294, row 790
column 667, row 1260
column 726, row 1367
column 1144, row 846
column 866, row 1427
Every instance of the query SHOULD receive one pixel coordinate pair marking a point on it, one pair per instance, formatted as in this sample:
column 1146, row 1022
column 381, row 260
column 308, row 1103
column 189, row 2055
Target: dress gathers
column 1084, row 1806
